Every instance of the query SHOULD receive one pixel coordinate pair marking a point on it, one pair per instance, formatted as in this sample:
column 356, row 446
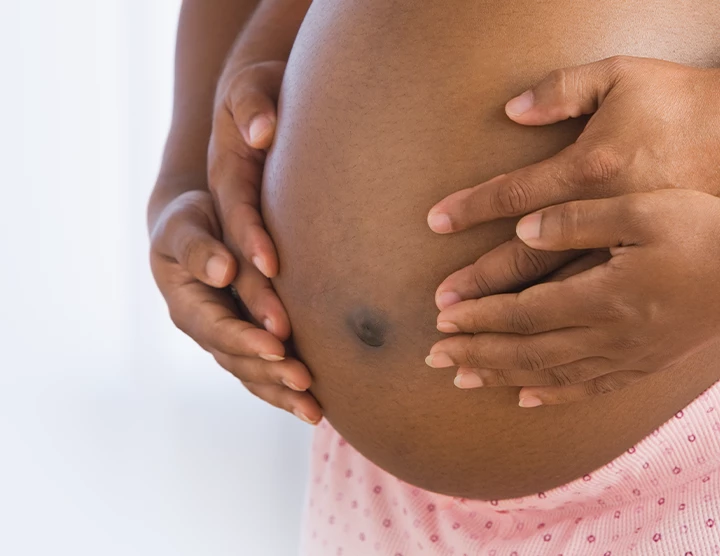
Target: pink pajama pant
column 660, row 497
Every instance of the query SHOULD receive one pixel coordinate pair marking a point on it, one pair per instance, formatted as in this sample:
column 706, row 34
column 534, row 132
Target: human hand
column 190, row 262
column 597, row 331
column 190, row 265
column 656, row 125
column 243, row 128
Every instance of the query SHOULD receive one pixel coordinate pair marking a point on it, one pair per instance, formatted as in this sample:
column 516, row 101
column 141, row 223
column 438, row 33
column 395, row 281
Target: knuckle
column 252, row 88
column 568, row 218
column 558, row 81
column 473, row 358
column 619, row 64
column 482, row 280
column 514, row 198
column 636, row 209
column 626, row 343
column 616, row 310
column 603, row 385
column 243, row 340
column 192, row 250
column 475, row 315
column 529, row 358
column 528, row 264
column 503, row 378
column 601, row 165
column 242, row 214
column 235, row 86
column 560, row 377
column 594, row 387
column 520, row 321
column 473, row 355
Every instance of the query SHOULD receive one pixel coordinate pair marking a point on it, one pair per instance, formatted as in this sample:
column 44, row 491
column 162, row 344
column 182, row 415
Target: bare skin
column 382, row 398
column 646, row 113
column 651, row 305
column 190, row 261
column 356, row 165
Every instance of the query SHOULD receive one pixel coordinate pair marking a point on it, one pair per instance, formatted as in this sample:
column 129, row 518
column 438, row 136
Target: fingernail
column 260, row 127
column 530, row 401
column 439, row 360
column 467, row 381
column 445, row 299
column 439, row 222
column 261, row 266
column 447, row 327
column 267, row 323
column 216, row 268
column 270, row 357
column 529, row 227
column 290, row 384
column 520, row 104
column 300, row 415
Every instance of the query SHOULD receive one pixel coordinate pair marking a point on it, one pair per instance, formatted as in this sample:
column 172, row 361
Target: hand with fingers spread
column 652, row 304
column 655, row 125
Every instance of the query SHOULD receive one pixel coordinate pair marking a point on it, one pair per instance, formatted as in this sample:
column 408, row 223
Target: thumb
column 185, row 233
column 567, row 93
column 206, row 258
column 253, row 102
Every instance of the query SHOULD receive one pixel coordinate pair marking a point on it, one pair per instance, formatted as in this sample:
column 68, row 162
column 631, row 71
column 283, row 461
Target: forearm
column 206, row 32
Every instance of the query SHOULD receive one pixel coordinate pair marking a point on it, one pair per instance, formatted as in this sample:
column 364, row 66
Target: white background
column 118, row 436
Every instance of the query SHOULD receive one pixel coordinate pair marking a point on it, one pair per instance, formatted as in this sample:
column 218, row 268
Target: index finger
column 509, row 195
column 541, row 308
column 206, row 315
column 235, row 177
column 506, row 268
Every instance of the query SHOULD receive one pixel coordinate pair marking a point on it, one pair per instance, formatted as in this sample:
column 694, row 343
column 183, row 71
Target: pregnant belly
column 386, row 108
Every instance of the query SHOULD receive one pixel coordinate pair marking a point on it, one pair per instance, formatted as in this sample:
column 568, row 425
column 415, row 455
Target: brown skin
column 190, row 263
column 659, row 288
column 655, row 126
column 355, row 165
column 243, row 126
column 400, row 415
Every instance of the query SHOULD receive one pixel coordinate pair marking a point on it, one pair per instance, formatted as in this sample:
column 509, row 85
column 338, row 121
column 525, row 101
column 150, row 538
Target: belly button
column 369, row 325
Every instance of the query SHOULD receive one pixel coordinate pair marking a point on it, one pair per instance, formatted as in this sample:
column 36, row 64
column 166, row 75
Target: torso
column 386, row 108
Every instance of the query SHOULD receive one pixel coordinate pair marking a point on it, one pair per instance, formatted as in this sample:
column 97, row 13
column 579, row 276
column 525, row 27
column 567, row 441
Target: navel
column 369, row 325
